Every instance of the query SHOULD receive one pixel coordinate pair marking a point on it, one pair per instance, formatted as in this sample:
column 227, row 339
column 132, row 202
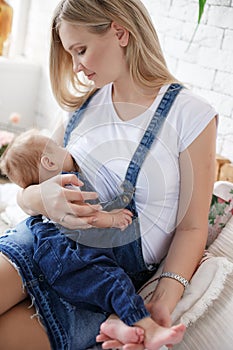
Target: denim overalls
column 70, row 267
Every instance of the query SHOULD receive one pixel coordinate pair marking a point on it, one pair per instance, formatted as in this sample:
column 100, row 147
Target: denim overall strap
column 75, row 119
column 150, row 134
column 135, row 266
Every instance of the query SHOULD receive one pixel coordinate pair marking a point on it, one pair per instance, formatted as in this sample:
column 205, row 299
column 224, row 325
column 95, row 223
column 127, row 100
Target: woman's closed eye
column 81, row 51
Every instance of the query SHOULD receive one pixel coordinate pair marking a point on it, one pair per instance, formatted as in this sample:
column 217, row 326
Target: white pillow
column 205, row 286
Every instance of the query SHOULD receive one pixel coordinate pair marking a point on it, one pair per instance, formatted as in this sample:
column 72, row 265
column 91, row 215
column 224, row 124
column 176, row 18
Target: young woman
column 105, row 56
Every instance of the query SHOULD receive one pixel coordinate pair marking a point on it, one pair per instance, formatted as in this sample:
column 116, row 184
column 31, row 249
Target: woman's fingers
column 133, row 347
column 67, row 179
column 112, row 344
column 74, row 195
column 72, row 222
column 83, row 209
column 61, row 196
column 100, row 338
column 115, row 344
column 108, row 343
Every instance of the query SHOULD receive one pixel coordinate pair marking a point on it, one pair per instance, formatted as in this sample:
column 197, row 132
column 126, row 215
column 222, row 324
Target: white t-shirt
column 103, row 146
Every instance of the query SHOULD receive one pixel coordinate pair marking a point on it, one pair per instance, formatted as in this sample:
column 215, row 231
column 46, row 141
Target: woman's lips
column 90, row 76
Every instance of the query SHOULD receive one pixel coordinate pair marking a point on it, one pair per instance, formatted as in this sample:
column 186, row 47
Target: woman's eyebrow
column 72, row 46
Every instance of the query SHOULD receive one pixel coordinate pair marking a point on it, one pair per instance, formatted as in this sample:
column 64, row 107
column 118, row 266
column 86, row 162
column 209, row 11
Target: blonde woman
column 105, row 58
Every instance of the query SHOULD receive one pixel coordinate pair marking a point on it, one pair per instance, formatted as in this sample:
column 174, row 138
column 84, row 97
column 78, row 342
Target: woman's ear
column 48, row 164
column 122, row 34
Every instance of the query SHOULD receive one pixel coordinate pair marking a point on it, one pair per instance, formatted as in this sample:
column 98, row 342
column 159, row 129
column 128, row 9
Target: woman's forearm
column 184, row 255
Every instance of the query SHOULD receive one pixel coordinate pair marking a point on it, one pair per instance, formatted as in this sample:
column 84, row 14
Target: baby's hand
column 121, row 218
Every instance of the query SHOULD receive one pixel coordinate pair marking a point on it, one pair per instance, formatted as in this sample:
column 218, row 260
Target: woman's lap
column 20, row 330
column 67, row 327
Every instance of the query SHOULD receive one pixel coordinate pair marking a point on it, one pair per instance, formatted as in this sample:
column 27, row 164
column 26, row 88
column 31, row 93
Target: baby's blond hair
column 21, row 160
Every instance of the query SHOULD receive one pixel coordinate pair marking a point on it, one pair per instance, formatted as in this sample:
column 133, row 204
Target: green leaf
column 2, row 149
column 201, row 9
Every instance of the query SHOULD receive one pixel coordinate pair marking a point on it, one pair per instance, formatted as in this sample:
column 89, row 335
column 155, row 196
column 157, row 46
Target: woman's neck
column 130, row 100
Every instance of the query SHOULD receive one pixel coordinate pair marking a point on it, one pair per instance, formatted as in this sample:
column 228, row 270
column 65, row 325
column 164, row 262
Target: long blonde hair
column 143, row 53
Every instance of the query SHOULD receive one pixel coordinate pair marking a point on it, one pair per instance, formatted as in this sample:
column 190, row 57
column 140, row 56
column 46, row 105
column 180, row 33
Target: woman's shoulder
column 192, row 102
column 191, row 114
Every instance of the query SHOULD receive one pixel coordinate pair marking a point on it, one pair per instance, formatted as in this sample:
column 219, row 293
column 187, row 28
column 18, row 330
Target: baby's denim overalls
column 91, row 278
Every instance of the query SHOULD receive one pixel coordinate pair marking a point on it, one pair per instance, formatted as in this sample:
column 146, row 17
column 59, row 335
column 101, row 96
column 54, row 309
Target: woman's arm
column 197, row 169
column 52, row 199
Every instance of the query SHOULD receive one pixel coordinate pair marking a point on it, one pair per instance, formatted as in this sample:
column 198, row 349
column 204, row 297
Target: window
column 19, row 27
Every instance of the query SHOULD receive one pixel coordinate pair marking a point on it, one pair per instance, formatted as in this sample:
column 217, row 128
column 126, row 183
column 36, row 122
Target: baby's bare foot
column 114, row 328
column 164, row 336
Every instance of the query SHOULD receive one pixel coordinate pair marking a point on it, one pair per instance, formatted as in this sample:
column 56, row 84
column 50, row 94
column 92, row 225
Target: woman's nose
column 77, row 67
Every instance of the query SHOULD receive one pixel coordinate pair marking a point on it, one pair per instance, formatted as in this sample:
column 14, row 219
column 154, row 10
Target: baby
column 32, row 158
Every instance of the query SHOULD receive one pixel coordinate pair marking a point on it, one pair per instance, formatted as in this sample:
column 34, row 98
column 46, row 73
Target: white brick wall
column 206, row 64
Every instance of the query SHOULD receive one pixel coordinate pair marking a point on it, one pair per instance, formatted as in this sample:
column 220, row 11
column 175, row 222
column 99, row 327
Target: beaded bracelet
column 176, row 277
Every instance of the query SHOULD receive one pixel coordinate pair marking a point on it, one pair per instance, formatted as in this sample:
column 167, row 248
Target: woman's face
column 100, row 56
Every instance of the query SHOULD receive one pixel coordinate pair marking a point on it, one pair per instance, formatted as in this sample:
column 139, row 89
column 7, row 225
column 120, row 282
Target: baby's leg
column 114, row 328
column 11, row 287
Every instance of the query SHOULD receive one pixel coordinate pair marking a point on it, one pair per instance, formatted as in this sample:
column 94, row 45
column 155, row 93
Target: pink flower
column 15, row 118
column 5, row 138
column 220, row 200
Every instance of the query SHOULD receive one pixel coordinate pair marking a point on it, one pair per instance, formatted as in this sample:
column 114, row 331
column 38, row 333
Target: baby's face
column 62, row 158
column 55, row 159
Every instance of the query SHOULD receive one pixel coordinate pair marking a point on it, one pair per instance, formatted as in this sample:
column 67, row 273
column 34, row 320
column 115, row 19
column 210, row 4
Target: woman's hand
column 115, row 344
column 61, row 204
column 159, row 313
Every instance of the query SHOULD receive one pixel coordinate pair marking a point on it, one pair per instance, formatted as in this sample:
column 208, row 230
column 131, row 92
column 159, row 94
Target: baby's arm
column 119, row 218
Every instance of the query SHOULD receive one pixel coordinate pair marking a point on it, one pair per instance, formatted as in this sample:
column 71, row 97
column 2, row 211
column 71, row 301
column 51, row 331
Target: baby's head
column 32, row 158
